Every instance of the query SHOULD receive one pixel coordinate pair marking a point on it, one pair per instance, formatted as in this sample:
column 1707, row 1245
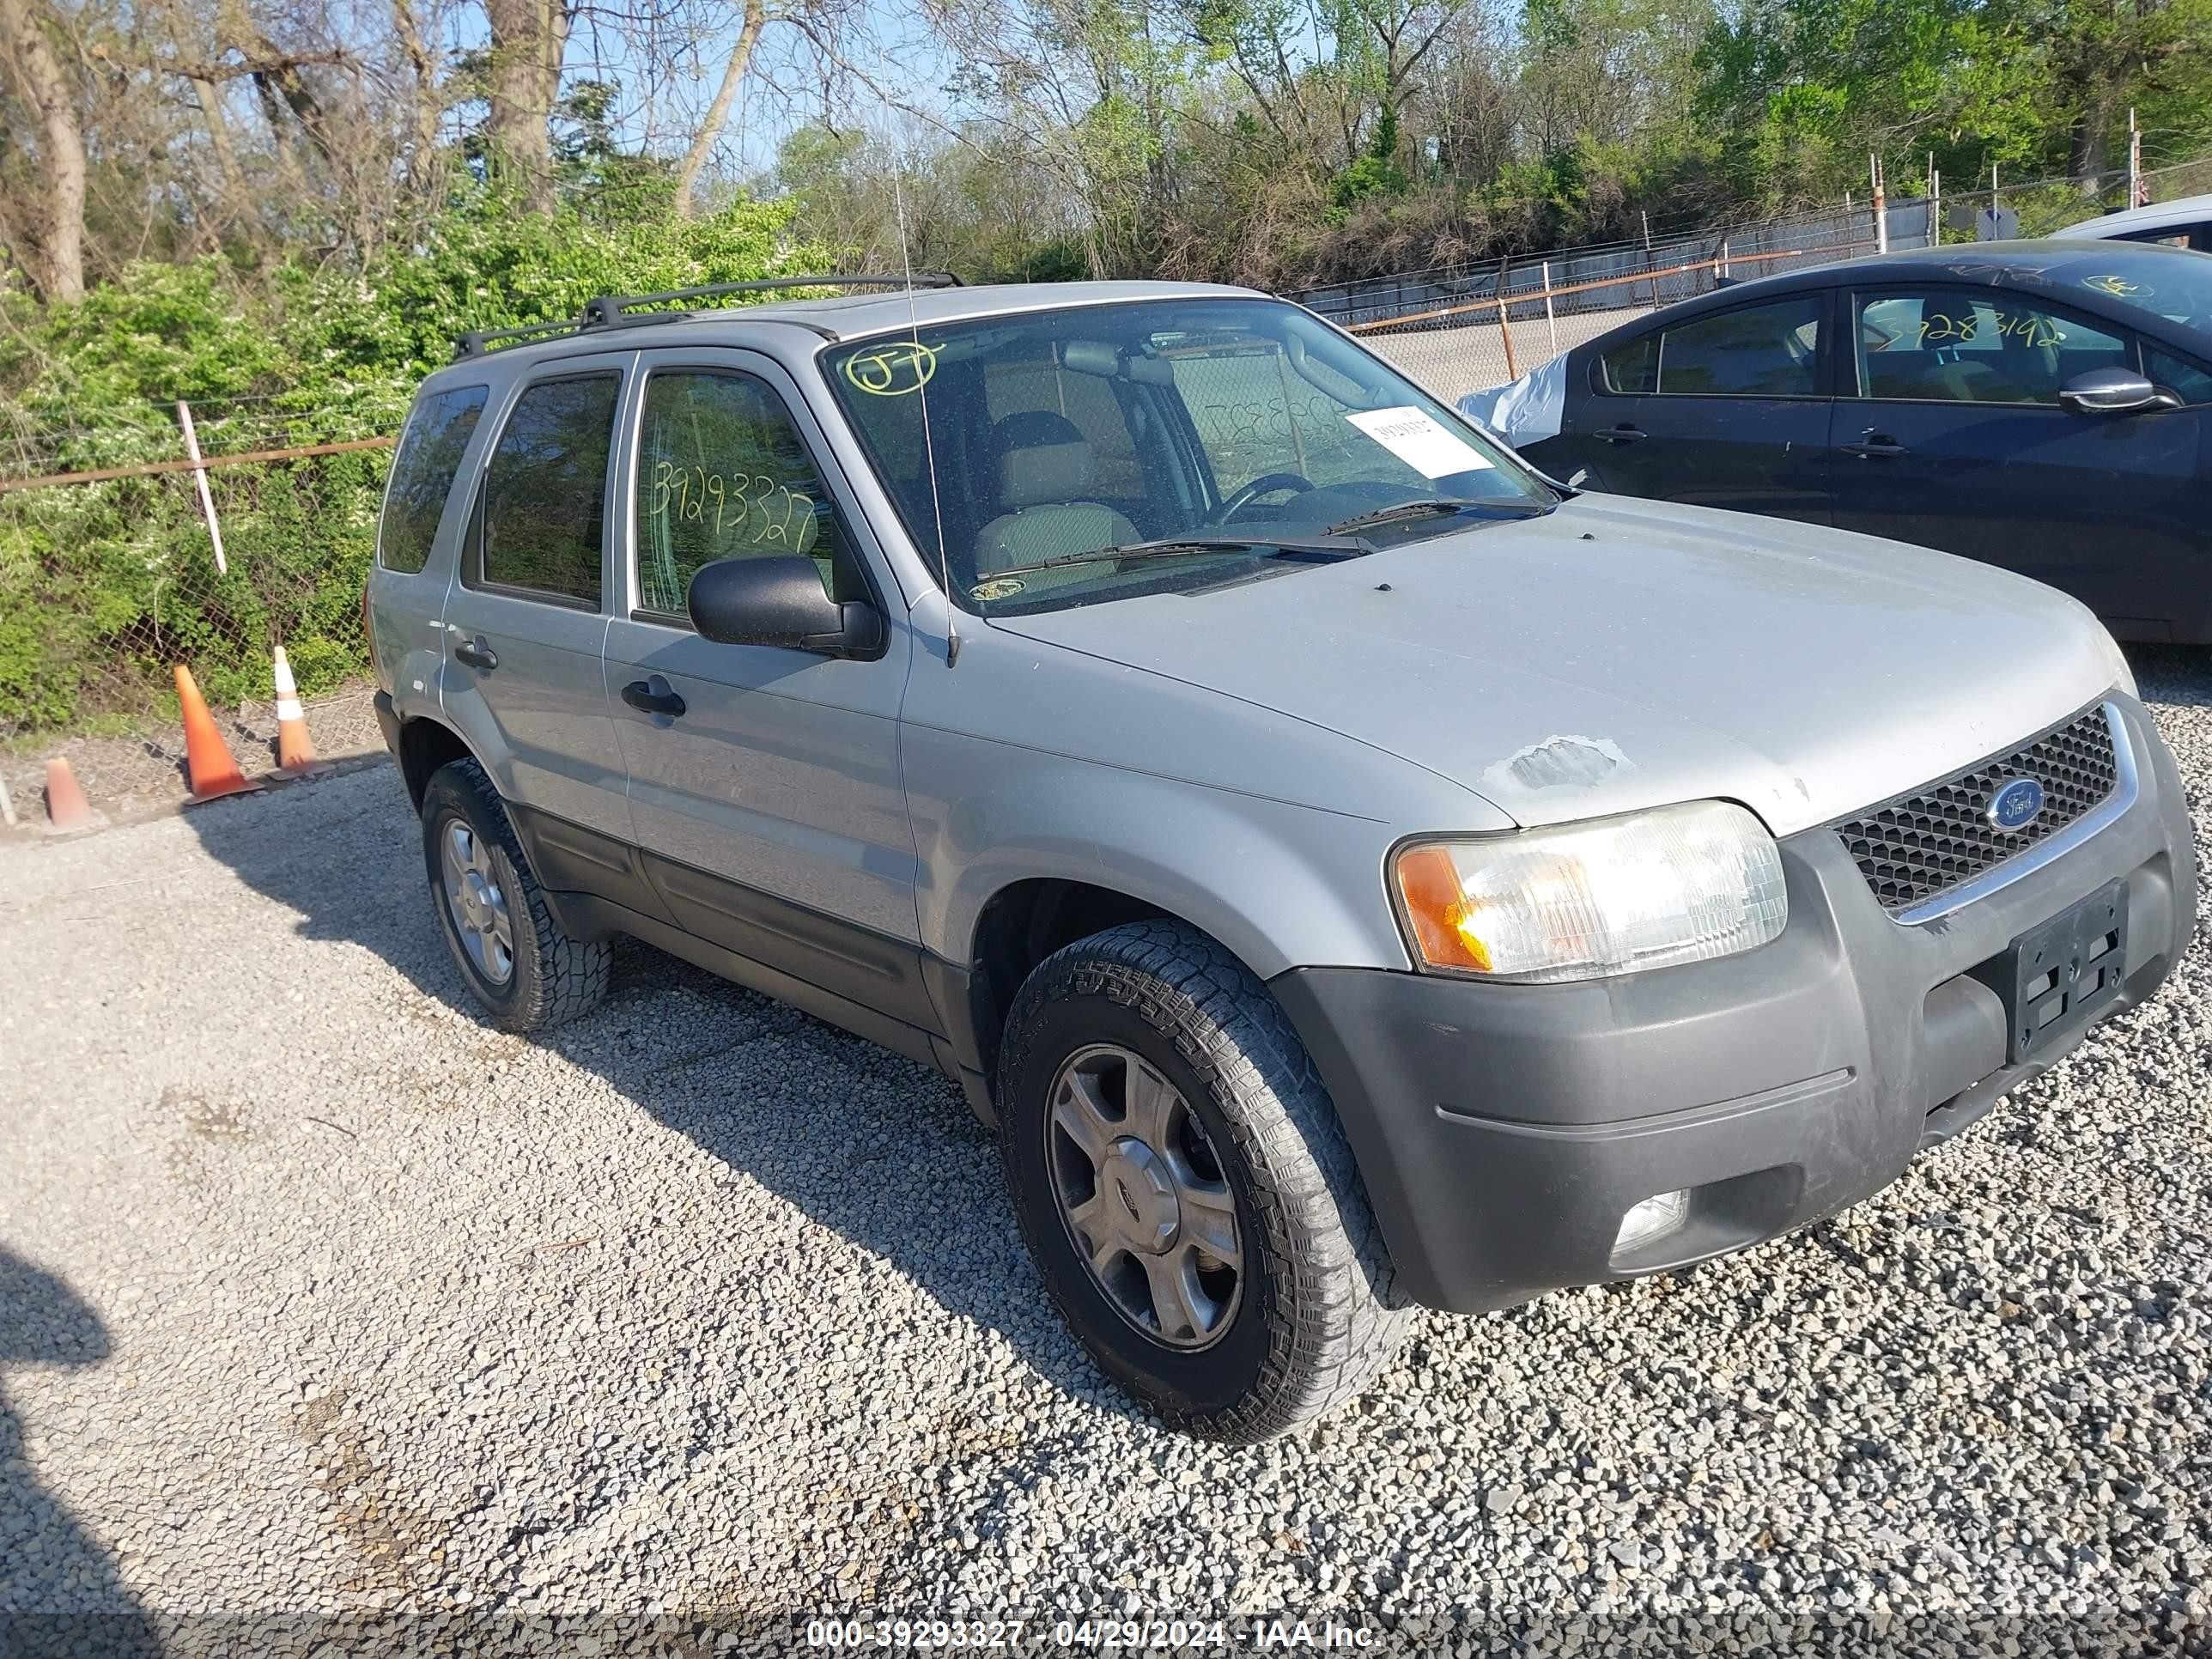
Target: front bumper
column 1503, row 1130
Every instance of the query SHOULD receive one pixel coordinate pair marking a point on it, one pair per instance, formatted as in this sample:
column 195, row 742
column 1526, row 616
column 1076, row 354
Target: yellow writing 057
column 749, row 509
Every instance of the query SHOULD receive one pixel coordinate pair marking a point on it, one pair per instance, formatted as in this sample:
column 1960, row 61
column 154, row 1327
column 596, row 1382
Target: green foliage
column 1377, row 172
column 103, row 587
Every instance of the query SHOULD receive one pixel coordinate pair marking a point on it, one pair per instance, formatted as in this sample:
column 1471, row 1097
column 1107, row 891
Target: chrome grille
column 1929, row 842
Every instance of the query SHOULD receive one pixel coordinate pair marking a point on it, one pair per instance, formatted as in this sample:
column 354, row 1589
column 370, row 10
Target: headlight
column 1681, row 883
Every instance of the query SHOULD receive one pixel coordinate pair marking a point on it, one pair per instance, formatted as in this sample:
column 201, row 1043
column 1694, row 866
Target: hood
column 1619, row 655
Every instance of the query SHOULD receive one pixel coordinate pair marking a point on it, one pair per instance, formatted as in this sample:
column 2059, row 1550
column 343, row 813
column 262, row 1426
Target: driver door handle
column 478, row 654
column 1623, row 433
column 653, row 696
column 1875, row 445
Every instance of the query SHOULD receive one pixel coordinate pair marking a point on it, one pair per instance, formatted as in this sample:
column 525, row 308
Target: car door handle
column 1875, row 447
column 653, row 696
column 1623, row 433
column 478, row 654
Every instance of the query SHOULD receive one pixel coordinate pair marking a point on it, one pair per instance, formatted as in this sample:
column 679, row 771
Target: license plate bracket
column 2056, row 975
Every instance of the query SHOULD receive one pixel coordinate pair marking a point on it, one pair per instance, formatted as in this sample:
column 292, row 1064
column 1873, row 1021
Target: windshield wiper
column 1424, row 507
column 1184, row 547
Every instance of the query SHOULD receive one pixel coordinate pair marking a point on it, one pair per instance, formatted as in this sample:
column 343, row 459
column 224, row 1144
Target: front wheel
column 1185, row 1189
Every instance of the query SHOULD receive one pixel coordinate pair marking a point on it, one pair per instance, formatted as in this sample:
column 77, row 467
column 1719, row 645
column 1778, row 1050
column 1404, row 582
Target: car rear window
column 1753, row 351
column 544, row 512
column 438, row 431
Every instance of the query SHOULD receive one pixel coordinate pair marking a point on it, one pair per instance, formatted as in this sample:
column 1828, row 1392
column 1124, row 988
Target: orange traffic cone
column 207, row 758
column 66, row 806
column 295, row 753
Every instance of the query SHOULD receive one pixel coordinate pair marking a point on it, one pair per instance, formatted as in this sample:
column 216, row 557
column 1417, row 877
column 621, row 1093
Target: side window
column 1756, row 351
column 437, row 431
column 723, row 473
column 543, row 514
column 2192, row 384
column 1632, row 369
column 1983, row 346
column 1035, row 384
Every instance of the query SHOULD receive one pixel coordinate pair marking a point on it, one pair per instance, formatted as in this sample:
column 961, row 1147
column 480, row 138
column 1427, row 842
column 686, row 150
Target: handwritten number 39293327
column 748, row 507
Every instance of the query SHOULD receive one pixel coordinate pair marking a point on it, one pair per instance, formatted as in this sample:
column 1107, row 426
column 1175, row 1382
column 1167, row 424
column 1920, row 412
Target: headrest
column 1041, row 457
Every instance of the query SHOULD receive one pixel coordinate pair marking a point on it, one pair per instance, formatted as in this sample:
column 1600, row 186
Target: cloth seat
column 1046, row 475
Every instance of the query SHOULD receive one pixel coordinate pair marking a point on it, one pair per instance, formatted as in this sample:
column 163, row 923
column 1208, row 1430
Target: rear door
column 524, row 625
column 1727, row 409
column 769, row 803
column 1951, row 435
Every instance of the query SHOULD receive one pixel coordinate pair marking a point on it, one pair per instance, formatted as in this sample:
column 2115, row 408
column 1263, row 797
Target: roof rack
column 612, row 310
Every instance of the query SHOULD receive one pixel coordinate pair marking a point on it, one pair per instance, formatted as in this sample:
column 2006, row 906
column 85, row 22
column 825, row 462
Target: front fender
column 1280, row 885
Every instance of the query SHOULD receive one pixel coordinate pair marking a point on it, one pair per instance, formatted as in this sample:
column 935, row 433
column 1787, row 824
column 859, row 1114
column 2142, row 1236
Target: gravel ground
column 323, row 1305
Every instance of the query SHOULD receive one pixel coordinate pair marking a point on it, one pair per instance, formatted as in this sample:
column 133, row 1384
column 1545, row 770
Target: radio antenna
column 928, row 445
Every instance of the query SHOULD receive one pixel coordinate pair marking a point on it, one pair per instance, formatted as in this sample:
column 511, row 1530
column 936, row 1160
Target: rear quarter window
column 430, row 449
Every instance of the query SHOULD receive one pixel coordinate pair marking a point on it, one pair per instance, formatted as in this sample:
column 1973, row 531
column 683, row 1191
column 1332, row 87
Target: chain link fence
column 1467, row 328
column 108, row 583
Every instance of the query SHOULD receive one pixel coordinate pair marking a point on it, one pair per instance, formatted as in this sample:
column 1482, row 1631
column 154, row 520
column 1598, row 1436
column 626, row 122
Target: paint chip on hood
column 1559, row 762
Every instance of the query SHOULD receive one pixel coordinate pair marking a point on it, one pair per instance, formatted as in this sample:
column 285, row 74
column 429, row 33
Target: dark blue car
column 2044, row 406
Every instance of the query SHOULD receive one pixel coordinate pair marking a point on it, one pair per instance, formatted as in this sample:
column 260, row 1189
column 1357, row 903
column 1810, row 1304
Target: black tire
column 1311, row 1325
column 554, row 978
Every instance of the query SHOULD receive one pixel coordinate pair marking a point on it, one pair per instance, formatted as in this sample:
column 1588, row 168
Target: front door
column 524, row 626
column 764, row 782
column 1951, row 435
column 1722, row 409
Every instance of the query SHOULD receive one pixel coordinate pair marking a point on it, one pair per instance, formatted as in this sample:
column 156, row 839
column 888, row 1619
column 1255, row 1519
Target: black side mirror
column 2114, row 391
column 779, row 601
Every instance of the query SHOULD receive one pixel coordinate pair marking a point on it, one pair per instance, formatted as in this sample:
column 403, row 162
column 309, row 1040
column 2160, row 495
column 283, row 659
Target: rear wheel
column 1185, row 1189
column 528, row 973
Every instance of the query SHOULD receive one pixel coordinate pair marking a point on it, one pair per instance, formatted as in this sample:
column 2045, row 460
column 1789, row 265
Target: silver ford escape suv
column 1352, row 872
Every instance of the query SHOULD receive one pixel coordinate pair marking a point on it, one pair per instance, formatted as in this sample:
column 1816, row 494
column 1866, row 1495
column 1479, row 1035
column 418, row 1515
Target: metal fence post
column 1550, row 322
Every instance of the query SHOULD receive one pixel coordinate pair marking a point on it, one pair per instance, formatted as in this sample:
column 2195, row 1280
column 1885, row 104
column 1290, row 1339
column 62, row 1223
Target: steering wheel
column 1265, row 484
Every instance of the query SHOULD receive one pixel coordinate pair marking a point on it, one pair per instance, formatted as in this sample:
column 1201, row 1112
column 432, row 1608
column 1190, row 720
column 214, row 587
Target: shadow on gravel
column 879, row 1150
column 60, row 1592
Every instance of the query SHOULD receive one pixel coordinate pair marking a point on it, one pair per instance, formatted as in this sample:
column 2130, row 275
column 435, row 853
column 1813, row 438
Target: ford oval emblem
column 2017, row 803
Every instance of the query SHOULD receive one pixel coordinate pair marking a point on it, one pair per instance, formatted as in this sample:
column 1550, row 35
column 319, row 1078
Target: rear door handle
column 1875, row 447
column 653, row 696
column 1623, row 433
column 478, row 654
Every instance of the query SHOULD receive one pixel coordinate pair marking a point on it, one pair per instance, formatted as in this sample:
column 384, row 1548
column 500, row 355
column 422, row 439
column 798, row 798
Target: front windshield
column 1241, row 424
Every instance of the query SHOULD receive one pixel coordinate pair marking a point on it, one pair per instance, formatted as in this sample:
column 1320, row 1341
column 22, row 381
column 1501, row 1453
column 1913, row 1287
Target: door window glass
column 723, row 473
column 546, row 488
column 1755, row 351
column 1632, row 369
column 1986, row 347
column 2192, row 384
column 422, row 476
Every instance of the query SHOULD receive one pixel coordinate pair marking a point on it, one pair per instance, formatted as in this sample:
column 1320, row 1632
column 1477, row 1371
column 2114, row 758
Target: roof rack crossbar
column 610, row 310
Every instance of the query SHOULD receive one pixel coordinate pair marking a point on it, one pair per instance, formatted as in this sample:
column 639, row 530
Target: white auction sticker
column 1417, row 440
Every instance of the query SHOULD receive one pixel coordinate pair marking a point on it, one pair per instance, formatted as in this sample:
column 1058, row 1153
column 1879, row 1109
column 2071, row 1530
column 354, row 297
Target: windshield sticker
column 1419, row 441
column 2119, row 287
column 999, row 588
column 892, row 371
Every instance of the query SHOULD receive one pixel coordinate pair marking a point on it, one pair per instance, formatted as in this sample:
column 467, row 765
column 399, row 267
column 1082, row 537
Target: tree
column 529, row 39
column 56, row 246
